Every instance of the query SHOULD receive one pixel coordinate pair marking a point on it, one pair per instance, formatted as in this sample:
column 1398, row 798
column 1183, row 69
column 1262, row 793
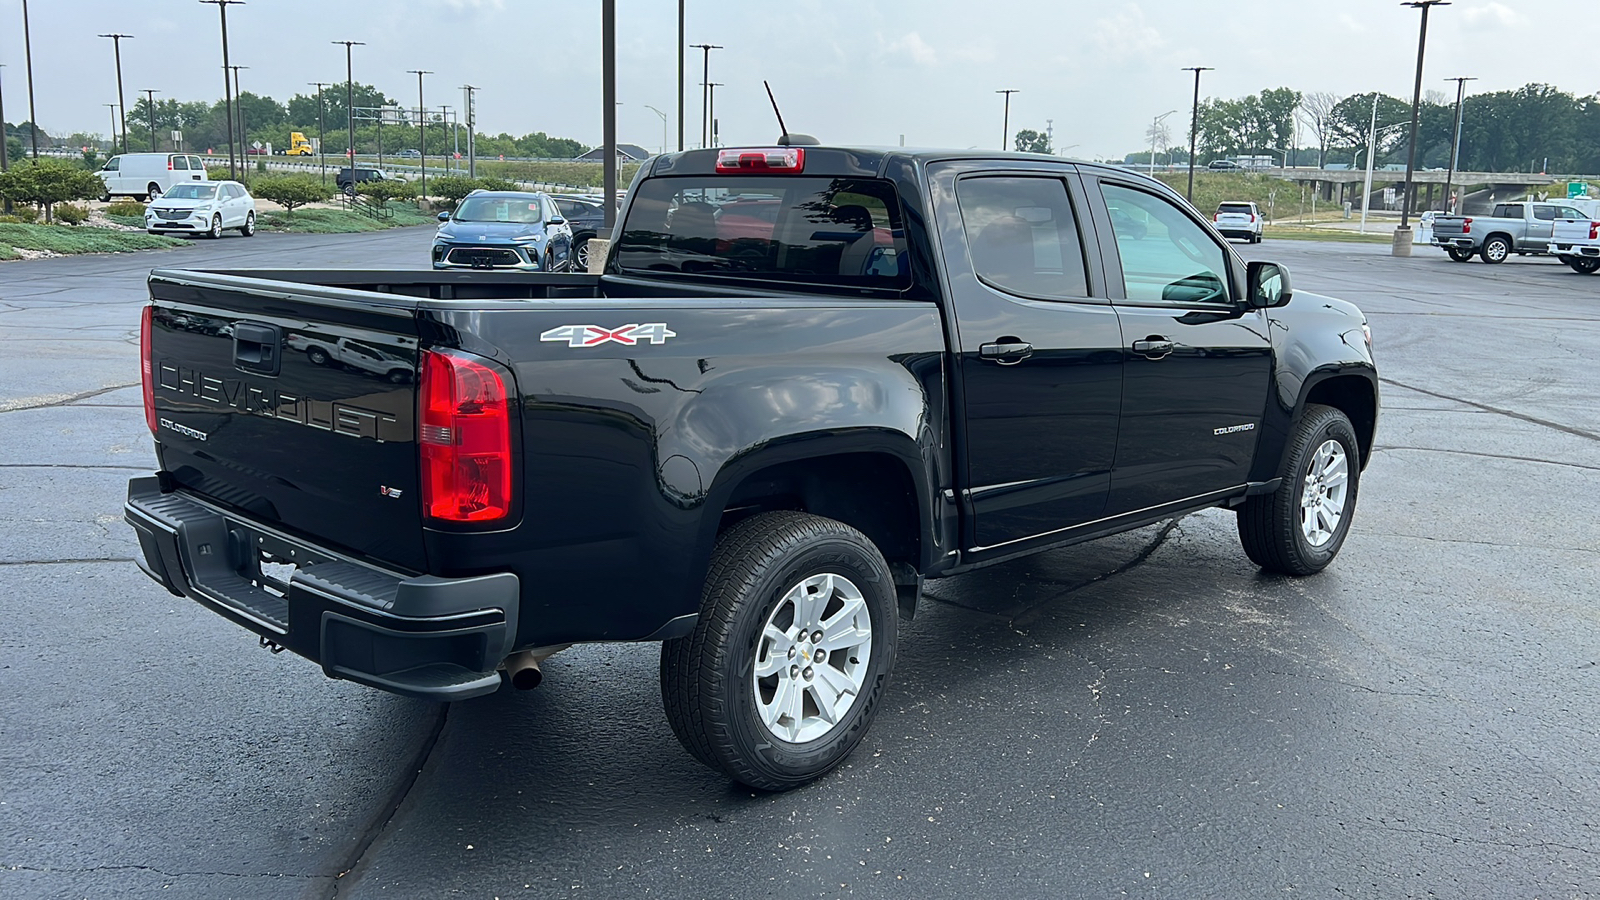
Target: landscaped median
column 20, row 240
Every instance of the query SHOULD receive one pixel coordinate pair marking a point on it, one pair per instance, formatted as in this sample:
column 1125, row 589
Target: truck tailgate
column 297, row 409
column 1574, row 231
column 1450, row 226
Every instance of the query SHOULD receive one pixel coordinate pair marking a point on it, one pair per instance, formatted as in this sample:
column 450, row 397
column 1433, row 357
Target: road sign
column 256, row 144
column 1576, row 189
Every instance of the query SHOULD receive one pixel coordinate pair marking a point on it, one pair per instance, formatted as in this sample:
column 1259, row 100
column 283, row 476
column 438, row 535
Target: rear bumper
column 419, row 636
column 1458, row 243
column 1590, row 250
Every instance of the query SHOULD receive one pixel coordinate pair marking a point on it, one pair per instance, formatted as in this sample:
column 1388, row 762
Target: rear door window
column 808, row 230
column 195, row 164
column 1023, row 236
column 179, row 162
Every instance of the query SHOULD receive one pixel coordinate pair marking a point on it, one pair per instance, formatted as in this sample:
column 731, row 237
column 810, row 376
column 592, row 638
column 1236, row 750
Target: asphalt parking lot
column 1146, row 716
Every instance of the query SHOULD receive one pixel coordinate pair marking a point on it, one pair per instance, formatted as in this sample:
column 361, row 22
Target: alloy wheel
column 1322, row 499
column 811, row 658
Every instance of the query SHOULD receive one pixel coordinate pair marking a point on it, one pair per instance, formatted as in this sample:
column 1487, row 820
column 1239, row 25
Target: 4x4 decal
column 594, row 335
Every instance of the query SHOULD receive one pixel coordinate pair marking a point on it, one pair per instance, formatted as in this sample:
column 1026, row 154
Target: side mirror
column 1269, row 285
column 444, row 217
column 557, row 221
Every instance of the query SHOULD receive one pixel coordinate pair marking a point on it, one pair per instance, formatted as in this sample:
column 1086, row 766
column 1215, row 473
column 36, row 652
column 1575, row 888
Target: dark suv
column 586, row 216
column 347, row 179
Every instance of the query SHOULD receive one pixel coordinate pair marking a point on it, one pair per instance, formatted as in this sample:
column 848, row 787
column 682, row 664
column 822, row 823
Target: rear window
column 1234, row 208
column 816, row 231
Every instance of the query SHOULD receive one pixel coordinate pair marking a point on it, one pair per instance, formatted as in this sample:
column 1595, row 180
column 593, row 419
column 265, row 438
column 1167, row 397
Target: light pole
column 27, row 44
column 322, row 141
column 5, row 147
column 227, row 98
column 113, row 107
column 422, row 127
column 608, row 99
column 663, row 125
column 1005, row 135
column 1155, row 134
column 151, row 110
column 1455, row 144
column 1402, row 237
column 1194, row 124
column 350, row 104
column 680, row 78
column 238, row 107
column 705, row 92
column 116, row 42
column 713, row 110
column 472, row 124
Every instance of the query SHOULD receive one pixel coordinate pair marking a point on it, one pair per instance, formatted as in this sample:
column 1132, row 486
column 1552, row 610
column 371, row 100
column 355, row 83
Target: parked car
column 1240, row 220
column 586, row 217
column 1575, row 241
column 752, row 446
column 1523, row 228
column 209, row 209
column 391, row 364
column 148, row 175
column 347, row 178
column 1224, row 165
column 504, row 230
column 408, row 153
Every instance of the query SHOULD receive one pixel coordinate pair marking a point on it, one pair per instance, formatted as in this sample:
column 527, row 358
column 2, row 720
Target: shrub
column 46, row 182
column 291, row 191
column 24, row 214
column 497, row 184
column 218, row 173
column 261, row 167
column 384, row 191
column 72, row 215
column 126, row 208
column 451, row 188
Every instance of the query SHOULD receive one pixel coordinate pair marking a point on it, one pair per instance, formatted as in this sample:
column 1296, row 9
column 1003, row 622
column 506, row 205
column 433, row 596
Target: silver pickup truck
column 1522, row 228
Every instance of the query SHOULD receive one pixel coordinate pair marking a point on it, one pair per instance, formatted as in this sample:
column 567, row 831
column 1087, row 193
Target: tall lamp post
column 422, row 127
column 350, row 104
column 712, row 111
column 238, row 108
column 705, row 92
column 472, row 124
column 27, row 45
column 113, row 107
column 1155, row 134
column 1402, row 235
column 608, row 100
column 663, row 125
column 1005, row 135
column 227, row 97
column 322, row 141
column 1194, row 125
column 1455, row 144
column 5, row 146
column 116, row 42
column 151, row 110
column 680, row 77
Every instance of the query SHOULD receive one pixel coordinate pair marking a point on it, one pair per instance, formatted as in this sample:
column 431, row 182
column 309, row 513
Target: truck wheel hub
column 811, row 658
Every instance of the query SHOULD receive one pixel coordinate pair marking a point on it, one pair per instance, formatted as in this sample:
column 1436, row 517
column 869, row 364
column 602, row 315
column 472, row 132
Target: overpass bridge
column 1342, row 185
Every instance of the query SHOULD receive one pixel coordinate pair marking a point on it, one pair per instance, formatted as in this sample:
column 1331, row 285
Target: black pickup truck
column 809, row 379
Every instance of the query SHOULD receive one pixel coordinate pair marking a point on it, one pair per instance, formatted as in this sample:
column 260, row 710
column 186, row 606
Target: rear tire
column 1459, row 255
column 1583, row 265
column 777, row 580
column 580, row 256
column 1495, row 250
column 1299, row 528
column 318, row 356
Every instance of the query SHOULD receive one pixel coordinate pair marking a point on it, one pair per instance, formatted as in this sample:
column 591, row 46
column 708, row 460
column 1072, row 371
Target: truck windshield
column 815, row 231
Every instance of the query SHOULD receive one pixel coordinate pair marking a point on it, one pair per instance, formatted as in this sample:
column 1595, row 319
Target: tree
column 46, row 182
column 452, row 188
column 1030, row 141
column 384, row 191
column 1316, row 110
column 291, row 191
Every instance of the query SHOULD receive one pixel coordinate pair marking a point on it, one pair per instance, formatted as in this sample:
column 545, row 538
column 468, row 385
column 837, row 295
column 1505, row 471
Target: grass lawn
column 341, row 221
column 79, row 239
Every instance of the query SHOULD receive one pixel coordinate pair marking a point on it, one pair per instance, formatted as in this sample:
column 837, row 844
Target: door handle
column 1007, row 351
column 1153, row 347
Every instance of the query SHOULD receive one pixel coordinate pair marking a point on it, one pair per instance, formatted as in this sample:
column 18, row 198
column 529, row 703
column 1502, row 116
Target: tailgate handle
column 255, row 347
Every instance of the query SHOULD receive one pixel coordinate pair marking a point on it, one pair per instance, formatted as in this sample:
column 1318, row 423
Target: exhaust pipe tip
column 526, row 678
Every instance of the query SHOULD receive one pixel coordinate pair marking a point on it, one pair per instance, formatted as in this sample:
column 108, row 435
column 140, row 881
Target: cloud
column 1127, row 34
column 913, row 46
column 1493, row 14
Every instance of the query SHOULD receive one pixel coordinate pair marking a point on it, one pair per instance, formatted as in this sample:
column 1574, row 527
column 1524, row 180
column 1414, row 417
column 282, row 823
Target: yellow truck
column 299, row 146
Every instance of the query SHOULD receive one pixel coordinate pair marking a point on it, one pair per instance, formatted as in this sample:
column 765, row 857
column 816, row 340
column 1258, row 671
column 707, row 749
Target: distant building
column 625, row 153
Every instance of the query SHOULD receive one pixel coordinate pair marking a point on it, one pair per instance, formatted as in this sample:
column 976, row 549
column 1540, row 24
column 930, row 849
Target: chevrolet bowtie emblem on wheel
column 594, row 335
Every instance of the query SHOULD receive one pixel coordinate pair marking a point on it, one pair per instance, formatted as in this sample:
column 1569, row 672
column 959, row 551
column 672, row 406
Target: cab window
column 114, row 164
column 1165, row 256
column 1023, row 235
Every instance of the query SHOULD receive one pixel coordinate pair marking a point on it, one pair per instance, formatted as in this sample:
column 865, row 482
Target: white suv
column 1239, row 220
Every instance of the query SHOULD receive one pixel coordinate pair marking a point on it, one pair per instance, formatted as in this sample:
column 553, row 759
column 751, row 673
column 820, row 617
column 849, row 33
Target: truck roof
column 860, row 160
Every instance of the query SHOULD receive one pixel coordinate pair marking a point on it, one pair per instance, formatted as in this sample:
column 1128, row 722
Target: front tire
column 1583, row 265
column 249, row 229
column 152, row 192
column 1495, row 250
column 782, row 675
column 1458, row 254
column 1298, row 529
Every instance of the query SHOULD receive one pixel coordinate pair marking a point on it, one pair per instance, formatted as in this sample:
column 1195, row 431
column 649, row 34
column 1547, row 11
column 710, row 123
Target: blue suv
column 504, row 230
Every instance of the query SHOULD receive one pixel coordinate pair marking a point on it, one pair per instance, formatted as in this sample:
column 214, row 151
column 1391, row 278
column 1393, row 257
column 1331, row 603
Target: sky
column 858, row 72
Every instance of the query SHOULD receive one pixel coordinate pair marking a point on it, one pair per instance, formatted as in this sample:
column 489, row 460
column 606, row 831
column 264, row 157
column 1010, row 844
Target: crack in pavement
column 1439, row 540
column 1567, row 429
column 379, row 824
column 54, row 400
column 162, row 872
column 1533, row 845
column 1507, row 456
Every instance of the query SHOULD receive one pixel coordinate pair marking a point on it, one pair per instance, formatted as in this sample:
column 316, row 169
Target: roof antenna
column 786, row 139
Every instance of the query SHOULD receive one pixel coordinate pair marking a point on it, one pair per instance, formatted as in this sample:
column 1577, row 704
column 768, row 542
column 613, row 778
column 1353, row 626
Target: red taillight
column 791, row 160
column 1466, row 226
column 1252, row 218
column 1594, row 231
column 464, row 436
column 146, row 322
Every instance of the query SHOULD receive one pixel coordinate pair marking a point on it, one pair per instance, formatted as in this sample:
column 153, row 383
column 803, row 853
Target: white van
column 149, row 175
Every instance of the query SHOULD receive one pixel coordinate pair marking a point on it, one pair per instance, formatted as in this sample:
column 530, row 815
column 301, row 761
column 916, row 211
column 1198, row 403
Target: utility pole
column 1194, row 125
column 244, row 142
column 116, row 41
column 1155, row 135
column 1455, row 145
column 113, row 107
column 680, row 78
column 322, row 141
column 350, row 104
column 151, row 109
column 5, row 146
column 1372, row 150
column 1005, row 137
column 1403, row 233
column 712, row 110
column 27, row 44
column 422, row 127
column 472, row 127
column 705, row 92
column 608, row 99
column 663, row 125
column 227, row 98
